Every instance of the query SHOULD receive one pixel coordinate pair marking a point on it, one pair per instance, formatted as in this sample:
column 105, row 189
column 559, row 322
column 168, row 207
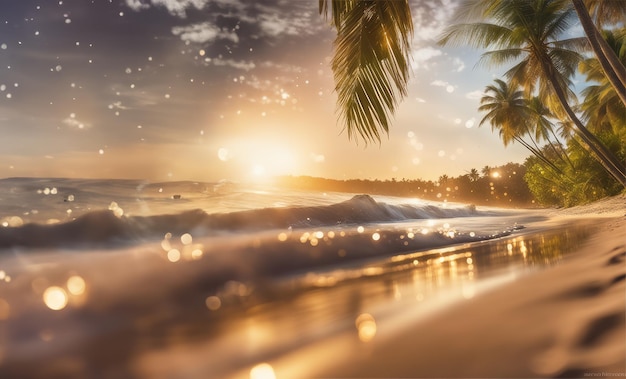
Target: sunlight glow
column 261, row 157
column 258, row 170
column 186, row 239
column 366, row 326
column 55, row 298
column 213, row 303
column 262, row 371
column 76, row 285
column 173, row 255
column 223, row 154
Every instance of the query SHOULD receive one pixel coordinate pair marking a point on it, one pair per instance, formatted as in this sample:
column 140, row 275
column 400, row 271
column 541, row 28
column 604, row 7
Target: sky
column 221, row 90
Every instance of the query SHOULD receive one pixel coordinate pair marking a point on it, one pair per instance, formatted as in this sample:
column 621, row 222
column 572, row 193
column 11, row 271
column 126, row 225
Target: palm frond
column 565, row 61
column 495, row 58
column 371, row 62
column 336, row 10
column 578, row 44
column 479, row 34
column 607, row 11
column 561, row 20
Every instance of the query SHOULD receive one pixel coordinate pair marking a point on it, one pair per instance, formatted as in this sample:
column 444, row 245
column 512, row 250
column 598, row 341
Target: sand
column 566, row 321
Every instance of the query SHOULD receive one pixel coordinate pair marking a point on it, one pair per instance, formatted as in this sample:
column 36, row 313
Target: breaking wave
column 104, row 227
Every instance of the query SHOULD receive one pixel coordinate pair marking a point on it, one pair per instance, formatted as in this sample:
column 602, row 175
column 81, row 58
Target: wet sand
column 566, row 321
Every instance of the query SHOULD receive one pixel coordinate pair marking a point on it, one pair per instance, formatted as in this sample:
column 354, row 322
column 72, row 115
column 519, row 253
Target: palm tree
column 609, row 11
column 443, row 180
column 602, row 107
column 473, row 175
column 371, row 61
column 486, row 171
column 540, row 120
column 528, row 31
column 508, row 112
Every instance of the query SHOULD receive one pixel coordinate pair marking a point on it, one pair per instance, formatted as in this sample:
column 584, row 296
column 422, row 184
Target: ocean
column 132, row 279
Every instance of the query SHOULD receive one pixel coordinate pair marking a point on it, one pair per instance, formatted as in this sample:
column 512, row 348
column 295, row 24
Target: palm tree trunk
column 610, row 63
column 539, row 155
column 608, row 160
column 559, row 154
column 562, row 150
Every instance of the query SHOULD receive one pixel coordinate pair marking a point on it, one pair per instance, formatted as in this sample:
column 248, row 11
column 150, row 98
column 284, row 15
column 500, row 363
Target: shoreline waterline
column 316, row 275
column 284, row 317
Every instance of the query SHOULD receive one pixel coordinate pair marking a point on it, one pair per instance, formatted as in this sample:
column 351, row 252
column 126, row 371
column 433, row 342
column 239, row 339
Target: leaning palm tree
column 371, row 61
column 528, row 32
column 507, row 111
column 602, row 106
column 540, row 120
column 610, row 11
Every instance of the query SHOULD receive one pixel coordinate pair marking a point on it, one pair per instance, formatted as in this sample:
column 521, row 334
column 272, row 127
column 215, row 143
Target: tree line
column 496, row 186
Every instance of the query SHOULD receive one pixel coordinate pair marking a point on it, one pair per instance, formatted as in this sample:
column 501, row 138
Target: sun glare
column 261, row 159
column 258, row 170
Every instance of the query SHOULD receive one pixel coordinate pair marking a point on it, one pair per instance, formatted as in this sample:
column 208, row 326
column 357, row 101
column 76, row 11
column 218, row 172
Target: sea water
column 127, row 278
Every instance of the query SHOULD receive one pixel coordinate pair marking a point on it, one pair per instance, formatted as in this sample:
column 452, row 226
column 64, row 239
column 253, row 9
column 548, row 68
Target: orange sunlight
column 260, row 159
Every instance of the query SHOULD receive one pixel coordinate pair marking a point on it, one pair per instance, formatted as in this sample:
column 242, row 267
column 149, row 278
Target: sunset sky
column 220, row 89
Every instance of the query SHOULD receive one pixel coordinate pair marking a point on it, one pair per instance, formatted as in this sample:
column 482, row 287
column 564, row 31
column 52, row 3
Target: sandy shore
column 561, row 317
column 566, row 321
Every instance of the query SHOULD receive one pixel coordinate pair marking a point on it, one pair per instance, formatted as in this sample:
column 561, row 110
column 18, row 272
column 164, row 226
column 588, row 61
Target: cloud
column 176, row 7
column 282, row 67
column 204, row 32
column 430, row 18
column 118, row 105
column 236, row 4
column 240, row 65
column 423, row 55
column 475, row 95
column 458, row 64
column 440, row 83
column 318, row 158
column 137, row 98
column 137, row 5
column 275, row 24
column 273, row 18
column 73, row 122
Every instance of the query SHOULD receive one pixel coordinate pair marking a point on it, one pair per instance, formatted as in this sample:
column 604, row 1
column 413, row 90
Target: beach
column 566, row 321
column 399, row 288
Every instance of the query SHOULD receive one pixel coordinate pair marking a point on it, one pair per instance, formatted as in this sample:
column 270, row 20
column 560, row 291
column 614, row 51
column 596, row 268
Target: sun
column 258, row 170
column 260, row 159
column 270, row 160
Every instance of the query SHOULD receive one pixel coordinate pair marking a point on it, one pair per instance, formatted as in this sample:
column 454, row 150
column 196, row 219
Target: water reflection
column 215, row 334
